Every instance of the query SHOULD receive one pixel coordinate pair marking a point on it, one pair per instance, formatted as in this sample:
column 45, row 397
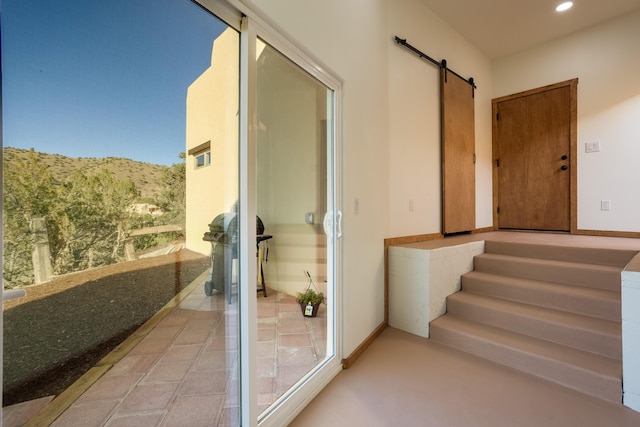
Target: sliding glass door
column 294, row 197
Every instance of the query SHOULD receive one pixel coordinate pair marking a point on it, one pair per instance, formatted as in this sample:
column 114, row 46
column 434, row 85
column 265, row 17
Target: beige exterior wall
column 212, row 115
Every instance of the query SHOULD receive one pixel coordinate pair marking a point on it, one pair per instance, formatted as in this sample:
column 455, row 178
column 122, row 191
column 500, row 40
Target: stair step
column 570, row 273
column 585, row 333
column 575, row 299
column 612, row 257
column 586, row 372
column 278, row 251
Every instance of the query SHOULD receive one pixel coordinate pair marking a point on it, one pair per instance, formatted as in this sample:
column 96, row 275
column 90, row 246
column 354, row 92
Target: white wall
column 414, row 107
column 350, row 38
column 391, row 127
column 606, row 60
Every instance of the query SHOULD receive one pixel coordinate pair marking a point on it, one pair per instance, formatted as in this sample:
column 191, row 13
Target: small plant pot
column 313, row 312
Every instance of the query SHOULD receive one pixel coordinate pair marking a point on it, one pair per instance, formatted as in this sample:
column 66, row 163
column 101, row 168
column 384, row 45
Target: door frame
column 573, row 147
column 284, row 410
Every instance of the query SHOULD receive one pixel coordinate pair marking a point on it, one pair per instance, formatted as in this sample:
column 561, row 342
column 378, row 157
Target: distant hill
column 146, row 176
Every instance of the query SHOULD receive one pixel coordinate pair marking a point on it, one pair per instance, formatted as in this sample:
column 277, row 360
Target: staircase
column 550, row 311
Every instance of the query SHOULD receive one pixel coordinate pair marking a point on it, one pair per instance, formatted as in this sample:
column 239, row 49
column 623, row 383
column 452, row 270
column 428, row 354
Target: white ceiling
column 501, row 27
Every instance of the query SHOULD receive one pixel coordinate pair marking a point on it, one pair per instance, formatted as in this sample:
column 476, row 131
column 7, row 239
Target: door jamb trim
column 573, row 147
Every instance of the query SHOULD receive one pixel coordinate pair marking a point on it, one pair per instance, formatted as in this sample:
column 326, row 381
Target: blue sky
column 86, row 78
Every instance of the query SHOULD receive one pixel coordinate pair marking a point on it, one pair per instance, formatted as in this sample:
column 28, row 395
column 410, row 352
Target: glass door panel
column 121, row 185
column 294, row 119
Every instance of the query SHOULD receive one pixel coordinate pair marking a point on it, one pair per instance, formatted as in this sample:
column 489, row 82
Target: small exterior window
column 203, row 159
column 201, row 155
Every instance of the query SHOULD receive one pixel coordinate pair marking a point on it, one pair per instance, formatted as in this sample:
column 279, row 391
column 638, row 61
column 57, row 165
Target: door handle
column 564, row 157
column 564, row 167
column 329, row 221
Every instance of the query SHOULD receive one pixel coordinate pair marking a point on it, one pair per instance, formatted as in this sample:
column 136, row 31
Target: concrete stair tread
column 586, row 333
column 594, row 302
column 540, row 261
column 589, row 255
column 541, row 285
column 572, row 273
column 577, row 321
column 603, row 366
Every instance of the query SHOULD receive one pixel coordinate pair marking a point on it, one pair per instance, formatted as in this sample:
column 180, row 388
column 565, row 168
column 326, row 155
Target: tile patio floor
column 184, row 371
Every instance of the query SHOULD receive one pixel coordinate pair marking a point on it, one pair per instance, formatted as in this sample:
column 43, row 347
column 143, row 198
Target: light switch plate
column 592, row 147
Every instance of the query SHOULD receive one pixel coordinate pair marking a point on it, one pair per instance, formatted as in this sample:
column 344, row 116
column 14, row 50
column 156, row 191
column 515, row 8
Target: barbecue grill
column 223, row 235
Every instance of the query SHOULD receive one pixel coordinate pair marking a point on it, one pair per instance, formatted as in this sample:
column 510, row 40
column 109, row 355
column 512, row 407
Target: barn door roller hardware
column 442, row 64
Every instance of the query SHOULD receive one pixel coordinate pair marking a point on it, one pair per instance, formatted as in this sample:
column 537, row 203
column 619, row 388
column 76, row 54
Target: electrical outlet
column 605, row 205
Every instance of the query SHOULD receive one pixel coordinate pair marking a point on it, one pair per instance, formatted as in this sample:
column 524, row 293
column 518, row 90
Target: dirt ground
column 64, row 327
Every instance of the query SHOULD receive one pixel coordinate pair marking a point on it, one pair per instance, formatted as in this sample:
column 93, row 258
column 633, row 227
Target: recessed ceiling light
column 564, row 6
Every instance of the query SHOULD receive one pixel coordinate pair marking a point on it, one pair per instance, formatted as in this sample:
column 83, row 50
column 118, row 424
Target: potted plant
column 310, row 299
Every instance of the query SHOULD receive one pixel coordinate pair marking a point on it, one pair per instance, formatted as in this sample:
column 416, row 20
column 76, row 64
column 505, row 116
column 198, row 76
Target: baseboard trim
column 605, row 233
column 346, row 363
column 483, row 230
column 392, row 241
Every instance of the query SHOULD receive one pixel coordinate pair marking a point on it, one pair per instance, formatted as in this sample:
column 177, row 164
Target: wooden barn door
column 458, row 154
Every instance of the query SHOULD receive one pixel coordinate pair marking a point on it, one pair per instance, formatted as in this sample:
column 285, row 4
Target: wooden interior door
column 458, row 154
column 533, row 155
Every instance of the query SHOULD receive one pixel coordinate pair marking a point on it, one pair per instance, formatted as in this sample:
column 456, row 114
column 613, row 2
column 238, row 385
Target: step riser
column 608, row 345
column 568, row 375
column 297, row 252
column 291, row 239
column 295, row 269
column 612, row 257
column 568, row 274
column 549, row 296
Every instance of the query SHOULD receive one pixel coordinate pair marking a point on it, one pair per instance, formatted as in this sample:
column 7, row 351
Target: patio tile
column 138, row 420
column 181, row 353
column 205, row 383
column 192, row 337
column 266, row 334
column 294, row 356
column 215, row 360
column 167, row 372
column 289, row 308
column 292, row 326
column 148, row 397
column 151, row 345
column 185, row 371
column 194, row 411
column 89, row 415
column 289, row 375
column 177, row 317
column 266, row 349
column 230, row 417
column 110, row 387
column 294, row 340
column 133, row 364
column 267, row 322
column 266, row 366
column 160, row 332
column 218, row 343
column 266, row 385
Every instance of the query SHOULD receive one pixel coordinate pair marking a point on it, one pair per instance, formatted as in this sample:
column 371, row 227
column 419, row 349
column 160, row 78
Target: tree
column 87, row 218
column 29, row 192
column 93, row 220
column 172, row 197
